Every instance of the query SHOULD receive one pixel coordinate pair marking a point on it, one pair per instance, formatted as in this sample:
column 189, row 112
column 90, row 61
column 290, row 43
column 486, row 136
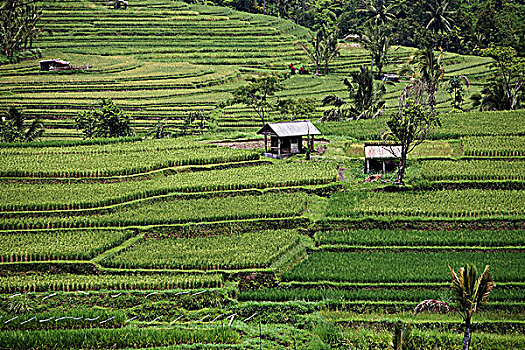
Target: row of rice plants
column 63, row 196
column 479, row 238
column 112, row 164
column 58, row 245
column 454, row 125
column 495, row 146
column 270, row 205
column 122, row 145
column 98, row 338
column 73, row 282
column 431, row 339
column 368, row 294
column 37, row 145
column 473, row 170
column 71, row 319
column 445, row 203
column 238, row 251
column 403, row 266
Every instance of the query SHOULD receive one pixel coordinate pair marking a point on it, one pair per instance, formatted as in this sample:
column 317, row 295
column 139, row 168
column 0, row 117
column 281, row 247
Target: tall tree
column 440, row 16
column 413, row 122
column 469, row 292
column 366, row 94
column 13, row 128
column 255, row 94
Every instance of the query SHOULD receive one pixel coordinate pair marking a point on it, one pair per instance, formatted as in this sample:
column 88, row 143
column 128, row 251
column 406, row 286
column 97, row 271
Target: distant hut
column 286, row 138
column 54, row 64
column 381, row 156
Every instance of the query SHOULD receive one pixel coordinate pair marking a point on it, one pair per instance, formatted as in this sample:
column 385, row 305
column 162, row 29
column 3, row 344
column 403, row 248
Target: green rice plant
column 238, row 251
column 269, row 205
column 98, row 338
column 495, row 146
column 59, row 244
column 367, row 294
column 474, row 238
column 444, row 203
column 392, row 266
column 76, row 318
column 363, row 338
column 131, row 281
column 474, row 170
column 64, row 196
column 111, row 161
column 454, row 125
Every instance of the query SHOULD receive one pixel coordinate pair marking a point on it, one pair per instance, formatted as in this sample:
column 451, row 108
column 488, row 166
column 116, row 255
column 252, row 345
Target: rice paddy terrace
column 164, row 59
column 186, row 244
column 105, row 246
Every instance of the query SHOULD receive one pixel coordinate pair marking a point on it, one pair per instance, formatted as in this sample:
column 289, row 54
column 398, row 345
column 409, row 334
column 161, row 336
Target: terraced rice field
column 182, row 58
column 185, row 244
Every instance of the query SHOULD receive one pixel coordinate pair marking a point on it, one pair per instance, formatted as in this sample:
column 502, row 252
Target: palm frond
column 333, row 100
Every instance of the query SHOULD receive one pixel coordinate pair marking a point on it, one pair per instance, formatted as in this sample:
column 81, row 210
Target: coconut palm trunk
column 466, row 336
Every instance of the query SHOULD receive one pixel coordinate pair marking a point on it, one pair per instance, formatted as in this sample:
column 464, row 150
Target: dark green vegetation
column 184, row 243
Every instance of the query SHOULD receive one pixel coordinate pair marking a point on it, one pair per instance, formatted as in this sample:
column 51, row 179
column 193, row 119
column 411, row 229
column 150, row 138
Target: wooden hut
column 54, row 64
column 381, row 156
column 286, row 138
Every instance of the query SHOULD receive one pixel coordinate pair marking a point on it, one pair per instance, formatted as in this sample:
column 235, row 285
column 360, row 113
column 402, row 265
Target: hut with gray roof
column 286, row 138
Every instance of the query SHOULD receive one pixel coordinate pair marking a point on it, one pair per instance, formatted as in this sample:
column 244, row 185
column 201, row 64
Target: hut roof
column 286, row 129
column 56, row 60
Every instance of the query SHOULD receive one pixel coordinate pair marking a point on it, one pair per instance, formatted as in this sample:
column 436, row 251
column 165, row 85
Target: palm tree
column 365, row 93
column 440, row 20
column 314, row 49
column 12, row 127
column 425, row 66
column 379, row 12
column 468, row 292
column 330, row 48
column 377, row 42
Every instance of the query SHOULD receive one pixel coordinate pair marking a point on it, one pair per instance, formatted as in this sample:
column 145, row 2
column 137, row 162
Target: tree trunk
column 402, row 167
column 466, row 337
column 326, row 67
